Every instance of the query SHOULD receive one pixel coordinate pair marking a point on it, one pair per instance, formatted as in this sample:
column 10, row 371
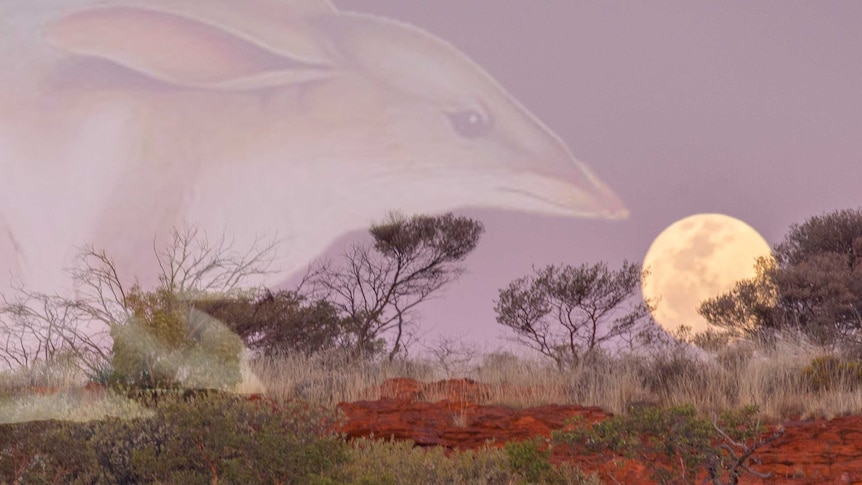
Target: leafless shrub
column 37, row 327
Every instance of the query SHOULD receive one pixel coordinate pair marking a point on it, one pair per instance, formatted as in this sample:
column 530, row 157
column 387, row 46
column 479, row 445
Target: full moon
column 696, row 258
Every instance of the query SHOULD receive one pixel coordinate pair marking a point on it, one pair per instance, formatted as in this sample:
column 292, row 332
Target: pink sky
column 751, row 109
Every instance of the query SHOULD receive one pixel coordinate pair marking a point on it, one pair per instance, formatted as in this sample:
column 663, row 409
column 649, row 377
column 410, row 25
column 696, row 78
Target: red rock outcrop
column 412, row 390
column 455, row 424
column 446, row 414
column 812, row 452
column 817, row 451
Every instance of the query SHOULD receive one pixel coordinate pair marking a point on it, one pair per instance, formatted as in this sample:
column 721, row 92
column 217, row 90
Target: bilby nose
column 616, row 210
column 590, row 195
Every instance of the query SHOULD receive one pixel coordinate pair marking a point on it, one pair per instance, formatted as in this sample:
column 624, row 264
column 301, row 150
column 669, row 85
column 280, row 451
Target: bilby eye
column 469, row 123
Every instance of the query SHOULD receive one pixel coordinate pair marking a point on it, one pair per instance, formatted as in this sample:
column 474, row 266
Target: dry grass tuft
column 740, row 373
column 769, row 374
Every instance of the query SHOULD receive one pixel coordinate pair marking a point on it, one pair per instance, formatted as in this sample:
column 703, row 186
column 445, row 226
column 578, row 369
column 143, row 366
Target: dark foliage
column 213, row 438
column 279, row 323
column 813, row 284
column 677, row 444
column 377, row 287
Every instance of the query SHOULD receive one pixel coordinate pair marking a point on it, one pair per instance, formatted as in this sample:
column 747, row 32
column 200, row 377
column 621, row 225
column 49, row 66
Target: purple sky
column 751, row 109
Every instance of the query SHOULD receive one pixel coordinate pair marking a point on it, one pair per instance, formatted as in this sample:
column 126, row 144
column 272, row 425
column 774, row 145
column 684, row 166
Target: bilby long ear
column 401, row 55
column 247, row 49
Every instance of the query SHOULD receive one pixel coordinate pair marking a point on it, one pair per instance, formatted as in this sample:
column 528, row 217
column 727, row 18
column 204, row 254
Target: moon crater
column 696, row 258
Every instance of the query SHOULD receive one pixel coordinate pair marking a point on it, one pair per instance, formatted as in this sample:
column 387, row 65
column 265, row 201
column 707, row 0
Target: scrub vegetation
column 174, row 406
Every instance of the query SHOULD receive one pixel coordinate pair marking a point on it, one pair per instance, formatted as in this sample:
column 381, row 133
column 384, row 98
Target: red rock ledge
column 446, row 414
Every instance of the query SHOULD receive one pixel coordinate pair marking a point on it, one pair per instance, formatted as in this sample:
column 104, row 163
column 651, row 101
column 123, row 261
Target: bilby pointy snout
column 589, row 194
column 489, row 134
column 556, row 177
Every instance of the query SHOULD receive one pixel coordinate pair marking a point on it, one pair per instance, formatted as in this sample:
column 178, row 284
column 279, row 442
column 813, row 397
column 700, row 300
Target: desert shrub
column 712, row 340
column 197, row 439
column 382, row 462
column 742, row 424
column 529, row 459
column 400, row 462
column 530, row 462
column 734, row 358
column 167, row 343
column 663, row 374
column 278, row 323
column 240, row 441
column 501, row 359
column 830, row 372
column 675, row 442
column 44, row 452
column 114, row 441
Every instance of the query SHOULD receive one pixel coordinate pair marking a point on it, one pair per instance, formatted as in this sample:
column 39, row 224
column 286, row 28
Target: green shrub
column 284, row 322
column 742, row 424
column 400, row 462
column 114, row 441
column 44, row 452
column 529, row 459
column 191, row 439
column 675, row 442
column 530, row 462
column 382, row 462
column 231, row 439
column 828, row 372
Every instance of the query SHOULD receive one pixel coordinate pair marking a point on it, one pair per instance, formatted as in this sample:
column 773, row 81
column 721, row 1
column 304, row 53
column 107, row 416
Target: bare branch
column 565, row 311
column 378, row 287
column 37, row 327
column 740, row 461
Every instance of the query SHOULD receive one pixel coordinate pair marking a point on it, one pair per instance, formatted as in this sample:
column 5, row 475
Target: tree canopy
column 813, row 283
column 568, row 312
column 375, row 288
column 278, row 323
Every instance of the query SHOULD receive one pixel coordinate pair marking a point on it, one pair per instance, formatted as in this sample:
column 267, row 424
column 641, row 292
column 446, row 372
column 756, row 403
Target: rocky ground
column 446, row 414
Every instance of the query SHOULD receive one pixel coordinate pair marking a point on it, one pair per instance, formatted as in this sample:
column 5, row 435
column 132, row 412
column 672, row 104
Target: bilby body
column 286, row 119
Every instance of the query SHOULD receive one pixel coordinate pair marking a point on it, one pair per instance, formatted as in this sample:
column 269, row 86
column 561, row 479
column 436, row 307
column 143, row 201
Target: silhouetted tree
column 279, row 323
column 376, row 287
column 568, row 312
column 812, row 283
column 749, row 307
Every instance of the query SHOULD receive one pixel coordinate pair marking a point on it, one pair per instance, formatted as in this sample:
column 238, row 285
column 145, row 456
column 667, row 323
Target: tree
column 750, row 306
column 453, row 355
column 567, row 313
column 151, row 337
column 377, row 287
column 838, row 233
column 279, row 323
column 812, row 283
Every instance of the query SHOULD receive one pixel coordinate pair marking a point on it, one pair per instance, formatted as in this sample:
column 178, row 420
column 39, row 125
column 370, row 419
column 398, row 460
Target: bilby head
column 335, row 118
column 453, row 136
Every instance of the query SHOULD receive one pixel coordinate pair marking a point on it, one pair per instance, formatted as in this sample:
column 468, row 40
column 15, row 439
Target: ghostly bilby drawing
column 120, row 120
